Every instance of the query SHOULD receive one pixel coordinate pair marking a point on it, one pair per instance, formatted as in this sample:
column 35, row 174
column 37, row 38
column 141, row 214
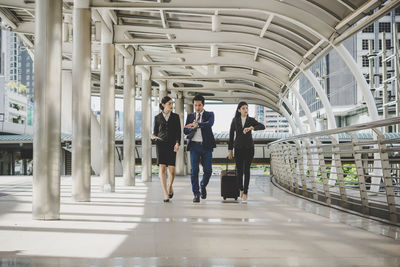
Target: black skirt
column 165, row 154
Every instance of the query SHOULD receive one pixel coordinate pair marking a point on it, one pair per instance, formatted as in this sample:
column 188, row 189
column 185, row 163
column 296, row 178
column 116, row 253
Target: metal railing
column 355, row 167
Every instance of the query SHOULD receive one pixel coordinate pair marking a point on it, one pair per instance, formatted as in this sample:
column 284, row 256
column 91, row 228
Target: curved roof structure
column 226, row 49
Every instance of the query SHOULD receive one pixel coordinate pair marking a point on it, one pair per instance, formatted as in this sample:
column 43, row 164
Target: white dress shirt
column 243, row 121
column 197, row 136
column 166, row 116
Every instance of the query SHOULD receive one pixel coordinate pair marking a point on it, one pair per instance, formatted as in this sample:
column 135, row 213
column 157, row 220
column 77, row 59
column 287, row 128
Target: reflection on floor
column 133, row 227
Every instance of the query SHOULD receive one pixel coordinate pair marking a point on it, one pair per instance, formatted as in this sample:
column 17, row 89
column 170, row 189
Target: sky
column 223, row 113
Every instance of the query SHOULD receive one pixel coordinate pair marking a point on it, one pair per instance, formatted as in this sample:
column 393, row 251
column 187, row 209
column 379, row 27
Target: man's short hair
column 198, row 98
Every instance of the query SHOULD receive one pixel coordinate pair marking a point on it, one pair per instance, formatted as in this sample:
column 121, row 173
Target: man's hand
column 189, row 126
column 248, row 129
column 192, row 125
column 176, row 147
column 153, row 137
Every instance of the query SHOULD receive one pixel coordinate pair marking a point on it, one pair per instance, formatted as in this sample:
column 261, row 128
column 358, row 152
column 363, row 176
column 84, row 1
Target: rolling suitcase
column 229, row 184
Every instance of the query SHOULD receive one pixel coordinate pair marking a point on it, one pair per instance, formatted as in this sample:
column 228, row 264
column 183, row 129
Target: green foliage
column 349, row 173
column 267, row 169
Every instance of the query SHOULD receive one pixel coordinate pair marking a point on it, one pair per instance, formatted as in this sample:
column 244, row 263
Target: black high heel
column 166, row 200
column 171, row 195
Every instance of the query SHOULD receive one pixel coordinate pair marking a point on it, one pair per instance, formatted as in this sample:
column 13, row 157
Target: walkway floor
column 133, row 227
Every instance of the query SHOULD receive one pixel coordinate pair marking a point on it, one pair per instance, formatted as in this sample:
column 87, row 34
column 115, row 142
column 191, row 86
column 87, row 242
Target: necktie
column 198, row 117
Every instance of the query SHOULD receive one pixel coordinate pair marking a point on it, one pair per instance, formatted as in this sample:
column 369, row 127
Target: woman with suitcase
column 167, row 133
column 240, row 138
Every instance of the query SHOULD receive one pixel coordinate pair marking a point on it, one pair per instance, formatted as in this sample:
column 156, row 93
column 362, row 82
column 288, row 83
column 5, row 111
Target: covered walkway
column 258, row 51
column 133, row 227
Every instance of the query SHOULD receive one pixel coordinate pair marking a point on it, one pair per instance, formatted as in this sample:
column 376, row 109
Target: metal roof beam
column 315, row 25
column 267, row 23
column 187, row 36
column 225, row 86
column 276, row 72
column 272, row 88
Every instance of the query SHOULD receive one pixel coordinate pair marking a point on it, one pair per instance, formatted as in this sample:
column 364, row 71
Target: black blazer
column 170, row 131
column 243, row 140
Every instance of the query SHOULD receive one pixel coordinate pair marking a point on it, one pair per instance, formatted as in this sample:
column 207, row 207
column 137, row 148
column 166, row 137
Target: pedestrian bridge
column 332, row 195
column 133, row 227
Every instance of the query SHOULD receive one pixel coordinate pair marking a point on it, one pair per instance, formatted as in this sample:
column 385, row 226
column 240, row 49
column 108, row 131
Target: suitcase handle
column 227, row 162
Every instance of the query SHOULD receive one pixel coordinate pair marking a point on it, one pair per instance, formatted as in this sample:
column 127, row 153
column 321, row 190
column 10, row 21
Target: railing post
column 300, row 163
column 324, row 173
column 387, row 179
column 283, row 172
column 312, row 176
column 339, row 170
column 360, row 173
column 293, row 170
column 288, row 172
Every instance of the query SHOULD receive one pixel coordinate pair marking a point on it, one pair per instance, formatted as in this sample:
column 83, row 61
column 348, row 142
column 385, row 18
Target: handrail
column 352, row 128
column 359, row 175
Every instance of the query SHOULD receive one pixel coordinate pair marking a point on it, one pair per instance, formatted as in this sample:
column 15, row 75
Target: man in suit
column 201, row 142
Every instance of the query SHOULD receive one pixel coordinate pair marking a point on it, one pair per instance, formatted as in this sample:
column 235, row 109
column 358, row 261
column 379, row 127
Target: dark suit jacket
column 207, row 121
column 169, row 131
column 243, row 140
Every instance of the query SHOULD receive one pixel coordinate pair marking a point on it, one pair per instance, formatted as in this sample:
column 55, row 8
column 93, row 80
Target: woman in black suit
column 242, row 125
column 167, row 133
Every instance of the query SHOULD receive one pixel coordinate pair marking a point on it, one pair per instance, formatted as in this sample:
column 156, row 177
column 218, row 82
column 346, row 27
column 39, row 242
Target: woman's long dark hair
column 164, row 100
column 241, row 104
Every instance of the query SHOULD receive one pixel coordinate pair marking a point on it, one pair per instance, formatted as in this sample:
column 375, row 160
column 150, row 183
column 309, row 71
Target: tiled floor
column 133, row 227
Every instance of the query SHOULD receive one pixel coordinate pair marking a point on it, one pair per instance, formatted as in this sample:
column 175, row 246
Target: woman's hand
column 230, row 154
column 176, row 147
column 153, row 137
column 248, row 129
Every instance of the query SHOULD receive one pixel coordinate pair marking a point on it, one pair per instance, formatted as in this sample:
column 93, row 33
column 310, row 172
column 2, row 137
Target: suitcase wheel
column 224, row 198
column 235, row 198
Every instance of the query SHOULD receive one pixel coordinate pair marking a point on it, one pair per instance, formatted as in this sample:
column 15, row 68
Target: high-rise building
column 337, row 80
column 273, row 121
column 16, row 86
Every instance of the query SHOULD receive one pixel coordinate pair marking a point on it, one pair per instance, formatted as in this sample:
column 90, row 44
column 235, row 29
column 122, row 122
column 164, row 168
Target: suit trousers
column 198, row 154
column 243, row 159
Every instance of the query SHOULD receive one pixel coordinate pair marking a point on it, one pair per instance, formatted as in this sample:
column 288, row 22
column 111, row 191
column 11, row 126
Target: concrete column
column 66, row 104
column 95, row 62
column 47, row 110
column 180, row 156
column 95, row 144
column 163, row 89
column 189, row 109
column 107, row 109
column 81, row 91
column 146, row 128
column 129, row 123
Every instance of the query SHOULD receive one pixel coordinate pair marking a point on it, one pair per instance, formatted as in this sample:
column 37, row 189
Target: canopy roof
column 229, row 50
